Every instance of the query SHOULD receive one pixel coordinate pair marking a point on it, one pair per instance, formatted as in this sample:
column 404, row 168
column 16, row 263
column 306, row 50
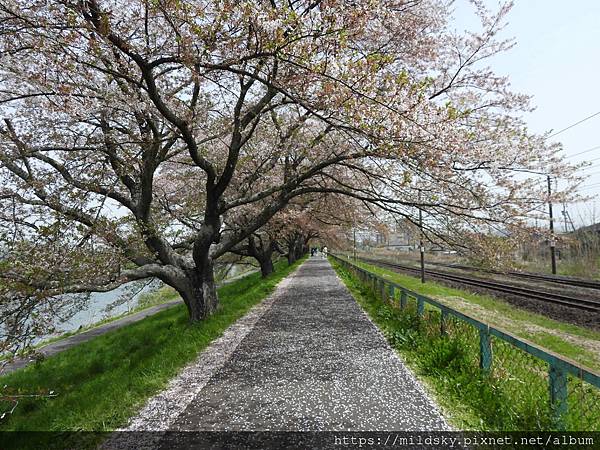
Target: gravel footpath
column 313, row 362
column 306, row 359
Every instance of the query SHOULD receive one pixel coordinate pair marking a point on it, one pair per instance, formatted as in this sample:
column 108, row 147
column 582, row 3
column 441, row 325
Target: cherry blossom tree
column 261, row 245
column 136, row 133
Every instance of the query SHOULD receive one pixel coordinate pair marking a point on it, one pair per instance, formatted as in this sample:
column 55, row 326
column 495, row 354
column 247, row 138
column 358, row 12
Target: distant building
column 404, row 237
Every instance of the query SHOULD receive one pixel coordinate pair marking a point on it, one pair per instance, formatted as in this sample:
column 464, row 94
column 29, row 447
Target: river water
column 104, row 305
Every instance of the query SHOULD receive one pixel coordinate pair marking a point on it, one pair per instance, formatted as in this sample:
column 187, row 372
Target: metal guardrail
column 559, row 367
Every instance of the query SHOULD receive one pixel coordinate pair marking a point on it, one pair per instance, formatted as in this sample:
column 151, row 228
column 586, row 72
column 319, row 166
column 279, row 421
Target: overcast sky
column 556, row 60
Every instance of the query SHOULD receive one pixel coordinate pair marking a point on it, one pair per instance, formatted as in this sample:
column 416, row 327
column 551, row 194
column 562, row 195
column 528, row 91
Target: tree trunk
column 266, row 259
column 266, row 266
column 291, row 256
column 298, row 250
column 199, row 293
column 295, row 249
column 261, row 249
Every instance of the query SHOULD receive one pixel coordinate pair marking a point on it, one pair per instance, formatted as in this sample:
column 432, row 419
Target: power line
column 585, row 151
column 583, row 188
column 573, row 125
column 591, row 166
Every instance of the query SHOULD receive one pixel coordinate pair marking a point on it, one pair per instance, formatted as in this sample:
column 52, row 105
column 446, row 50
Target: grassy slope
column 162, row 295
column 147, row 300
column 574, row 342
column 101, row 383
column 513, row 398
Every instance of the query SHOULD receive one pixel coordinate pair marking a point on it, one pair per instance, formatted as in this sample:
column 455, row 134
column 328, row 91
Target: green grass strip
column 575, row 342
column 512, row 397
column 101, row 383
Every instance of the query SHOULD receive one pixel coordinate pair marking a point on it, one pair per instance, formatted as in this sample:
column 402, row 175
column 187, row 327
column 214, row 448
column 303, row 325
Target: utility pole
column 421, row 247
column 552, row 237
column 552, row 240
column 568, row 220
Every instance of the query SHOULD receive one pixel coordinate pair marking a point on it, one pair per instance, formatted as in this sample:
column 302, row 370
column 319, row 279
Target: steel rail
column 570, row 281
column 549, row 297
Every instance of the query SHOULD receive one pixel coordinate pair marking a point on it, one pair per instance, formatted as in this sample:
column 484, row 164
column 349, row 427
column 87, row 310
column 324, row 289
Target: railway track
column 549, row 297
column 568, row 281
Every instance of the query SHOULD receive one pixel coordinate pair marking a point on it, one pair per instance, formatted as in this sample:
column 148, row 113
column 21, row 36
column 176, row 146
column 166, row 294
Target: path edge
column 422, row 386
column 161, row 410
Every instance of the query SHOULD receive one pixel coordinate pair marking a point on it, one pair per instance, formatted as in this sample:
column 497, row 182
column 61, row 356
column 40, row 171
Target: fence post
column 443, row 316
column 558, row 369
column 485, row 349
column 558, row 393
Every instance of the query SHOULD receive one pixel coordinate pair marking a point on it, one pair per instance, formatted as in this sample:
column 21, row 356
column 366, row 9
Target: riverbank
column 150, row 303
column 98, row 385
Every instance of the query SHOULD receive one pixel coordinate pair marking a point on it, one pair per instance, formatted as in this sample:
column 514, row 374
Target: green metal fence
column 553, row 392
